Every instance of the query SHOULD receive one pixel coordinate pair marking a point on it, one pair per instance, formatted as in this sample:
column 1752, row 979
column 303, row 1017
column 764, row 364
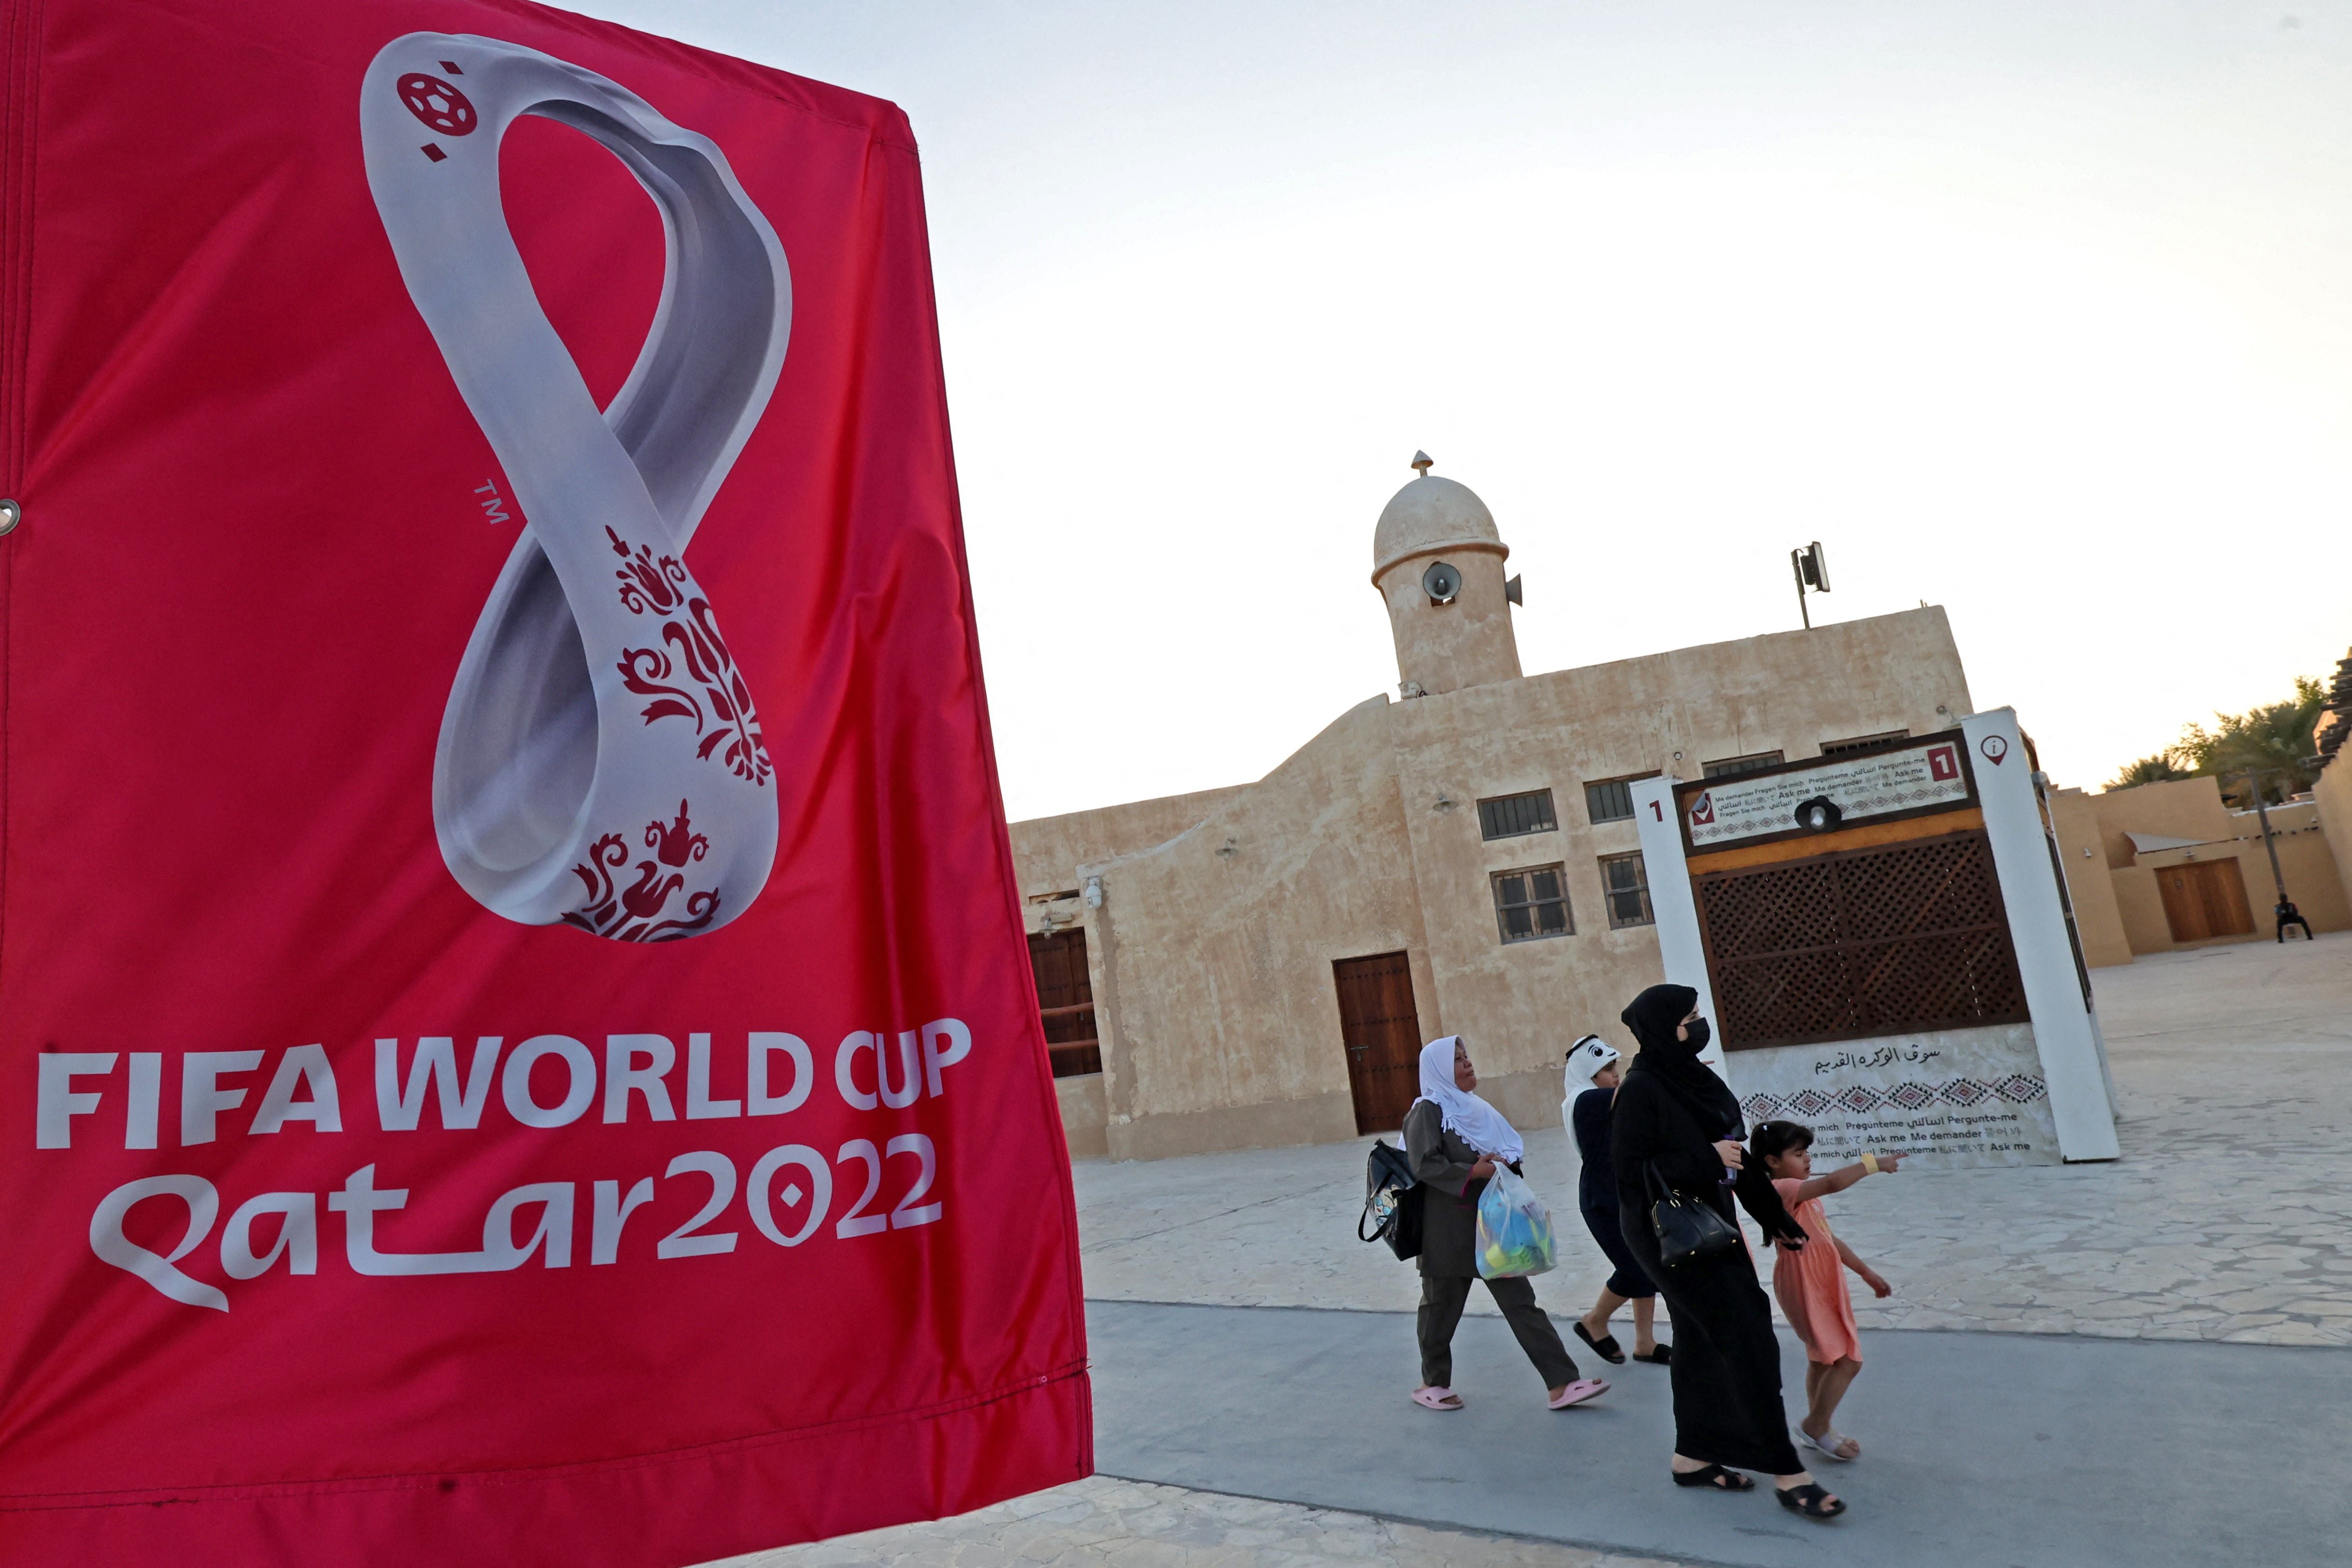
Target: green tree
column 2274, row 739
column 2151, row 770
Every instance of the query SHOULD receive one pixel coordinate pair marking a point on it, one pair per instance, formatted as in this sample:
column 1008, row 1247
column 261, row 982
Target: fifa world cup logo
column 600, row 763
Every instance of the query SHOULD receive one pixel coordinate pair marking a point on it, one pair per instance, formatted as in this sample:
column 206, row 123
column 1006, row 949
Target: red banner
column 518, row 1047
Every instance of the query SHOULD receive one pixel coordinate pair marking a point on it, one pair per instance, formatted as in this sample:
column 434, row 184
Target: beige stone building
column 2331, row 799
column 2169, row 865
column 1256, row 966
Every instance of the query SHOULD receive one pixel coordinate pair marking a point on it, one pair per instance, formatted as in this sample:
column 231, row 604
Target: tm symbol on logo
column 493, row 504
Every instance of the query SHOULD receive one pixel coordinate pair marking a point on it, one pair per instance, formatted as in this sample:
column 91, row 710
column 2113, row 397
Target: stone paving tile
column 2224, row 1220
column 1109, row 1523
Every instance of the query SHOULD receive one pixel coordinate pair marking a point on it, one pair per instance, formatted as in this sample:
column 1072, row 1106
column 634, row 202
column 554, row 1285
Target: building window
column 1625, row 888
column 1532, row 902
column 1509, row 816
column 1612, row 800
column 1748, row 763
column 1861, row 743
column 1065, row 997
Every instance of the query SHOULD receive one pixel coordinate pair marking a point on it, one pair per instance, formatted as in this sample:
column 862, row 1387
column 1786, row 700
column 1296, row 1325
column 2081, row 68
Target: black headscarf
column 1673, row 1064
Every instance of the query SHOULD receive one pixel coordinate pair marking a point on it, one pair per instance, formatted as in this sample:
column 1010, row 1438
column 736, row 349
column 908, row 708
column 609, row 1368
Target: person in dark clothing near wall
column 1593, row 1074
column 1678, row 1122
column 1455, row 1140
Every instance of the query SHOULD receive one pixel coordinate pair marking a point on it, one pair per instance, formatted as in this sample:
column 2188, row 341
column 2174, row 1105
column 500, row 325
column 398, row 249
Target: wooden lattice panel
column 1790, row 909
column 1885, row 940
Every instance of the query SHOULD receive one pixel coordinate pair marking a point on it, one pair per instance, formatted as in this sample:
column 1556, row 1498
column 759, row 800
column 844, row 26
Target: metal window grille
column 1731, row 766
column 1532, row 903
column 1610, row 800
column 1862, row 744
column 1741, row 765
column 1625, row 889
column 1509, row 816
column 1884, row 940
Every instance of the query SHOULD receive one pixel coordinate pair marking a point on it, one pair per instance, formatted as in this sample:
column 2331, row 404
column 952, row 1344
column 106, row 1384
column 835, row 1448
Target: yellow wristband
column 1869, row 1162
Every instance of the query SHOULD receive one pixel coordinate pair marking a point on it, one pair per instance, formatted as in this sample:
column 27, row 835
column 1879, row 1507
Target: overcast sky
column 2041, row 313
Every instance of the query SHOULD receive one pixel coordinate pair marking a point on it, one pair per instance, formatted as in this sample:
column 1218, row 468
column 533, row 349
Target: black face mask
column 1697, row 1032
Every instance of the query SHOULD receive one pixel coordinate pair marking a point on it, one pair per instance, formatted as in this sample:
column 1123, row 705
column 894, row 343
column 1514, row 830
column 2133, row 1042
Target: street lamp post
column 2263, row 810
column 1812, row 570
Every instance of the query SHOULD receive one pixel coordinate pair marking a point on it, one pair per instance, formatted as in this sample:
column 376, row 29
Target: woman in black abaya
column 1675, row 1118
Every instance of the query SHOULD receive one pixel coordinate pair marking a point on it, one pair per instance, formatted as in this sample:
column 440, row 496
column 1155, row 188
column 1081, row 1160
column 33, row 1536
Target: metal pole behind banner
column 2262, row 809
column 1796, row 570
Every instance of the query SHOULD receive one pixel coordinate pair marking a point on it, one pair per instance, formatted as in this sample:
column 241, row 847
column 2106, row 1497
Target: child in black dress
column 1593, row 1063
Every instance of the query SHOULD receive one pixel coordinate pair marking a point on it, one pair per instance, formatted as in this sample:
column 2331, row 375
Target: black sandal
column 1660, row 1354
column 1809, row 1499
column 1606, row 1347
column 1719, row 1479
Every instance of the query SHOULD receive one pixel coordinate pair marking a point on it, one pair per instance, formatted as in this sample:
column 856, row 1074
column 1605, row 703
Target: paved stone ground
column 1109, row 1524
column 2226, row 1217
column 1982, row 1450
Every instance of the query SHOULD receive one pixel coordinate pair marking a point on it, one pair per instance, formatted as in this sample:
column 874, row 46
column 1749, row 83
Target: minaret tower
column 1437, row 559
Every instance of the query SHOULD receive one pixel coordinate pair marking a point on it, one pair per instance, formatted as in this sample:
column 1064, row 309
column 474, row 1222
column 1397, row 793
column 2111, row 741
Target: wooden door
column 2222, row 887
column 2204, row 899
column 1382, row 1031
column 2184, row 901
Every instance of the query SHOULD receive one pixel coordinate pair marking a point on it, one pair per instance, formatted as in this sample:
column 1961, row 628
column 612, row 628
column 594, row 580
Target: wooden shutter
column 1066, row 999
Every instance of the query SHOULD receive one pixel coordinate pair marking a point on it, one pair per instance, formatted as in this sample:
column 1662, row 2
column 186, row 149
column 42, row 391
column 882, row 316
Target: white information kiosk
column 1885, row 945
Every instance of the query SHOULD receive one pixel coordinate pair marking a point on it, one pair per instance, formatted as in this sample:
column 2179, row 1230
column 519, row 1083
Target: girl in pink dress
column 1811, row 1283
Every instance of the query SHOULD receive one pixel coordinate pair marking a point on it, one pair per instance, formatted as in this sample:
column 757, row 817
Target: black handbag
column 1392, row 1201
column 1687, row 1229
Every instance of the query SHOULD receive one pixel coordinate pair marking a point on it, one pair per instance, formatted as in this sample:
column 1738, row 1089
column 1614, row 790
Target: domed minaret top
column 1430, row 513
column 1437, row 559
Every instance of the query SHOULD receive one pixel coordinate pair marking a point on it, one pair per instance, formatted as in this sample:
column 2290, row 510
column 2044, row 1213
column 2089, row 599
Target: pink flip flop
column 1578, row 1392
column 1435, row 1399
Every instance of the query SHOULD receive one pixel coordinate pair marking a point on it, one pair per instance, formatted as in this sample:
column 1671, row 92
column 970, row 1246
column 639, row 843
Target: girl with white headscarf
column 1455, row 1140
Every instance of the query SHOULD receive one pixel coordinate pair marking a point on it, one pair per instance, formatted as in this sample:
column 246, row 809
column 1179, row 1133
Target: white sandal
column 1828, row 1447
column 1435, row 1398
